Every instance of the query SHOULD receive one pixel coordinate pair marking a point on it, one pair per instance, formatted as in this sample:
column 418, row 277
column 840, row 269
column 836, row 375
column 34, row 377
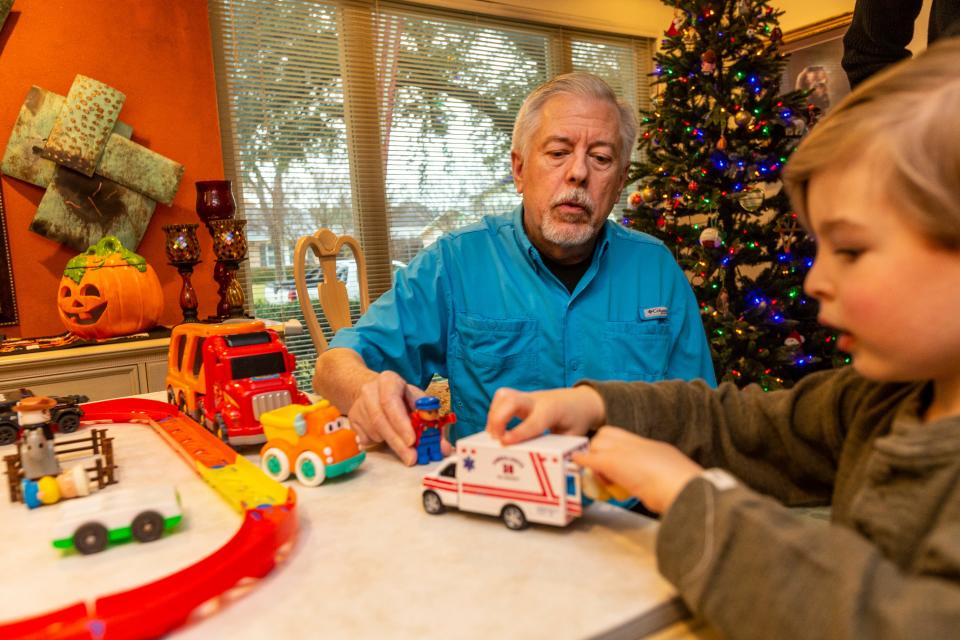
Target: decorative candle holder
column 230, row 245
column 215, row 201
column 183, row 251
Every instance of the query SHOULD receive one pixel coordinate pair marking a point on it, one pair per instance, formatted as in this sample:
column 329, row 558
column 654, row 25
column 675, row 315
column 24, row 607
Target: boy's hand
column 573, row 411
column 652, row 471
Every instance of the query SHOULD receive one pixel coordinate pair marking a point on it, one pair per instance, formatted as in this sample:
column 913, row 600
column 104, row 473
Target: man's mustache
column 577, row 196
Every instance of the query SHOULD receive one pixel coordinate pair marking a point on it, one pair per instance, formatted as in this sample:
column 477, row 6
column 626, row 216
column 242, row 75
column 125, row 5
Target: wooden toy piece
column 142, row 514
column 37, row 457
column 596, row 487
column 315, row 442
column 531, row 481
column 225, row 376
column 428, row 426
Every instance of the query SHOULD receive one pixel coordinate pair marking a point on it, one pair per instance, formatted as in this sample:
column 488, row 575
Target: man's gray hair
column 578, row 83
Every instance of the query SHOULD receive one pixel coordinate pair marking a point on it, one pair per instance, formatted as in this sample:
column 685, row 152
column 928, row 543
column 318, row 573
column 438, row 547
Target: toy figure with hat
column 37, row 457
column 428, row 425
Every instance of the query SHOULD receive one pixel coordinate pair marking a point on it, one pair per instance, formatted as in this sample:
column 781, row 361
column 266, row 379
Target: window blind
column 383, row 120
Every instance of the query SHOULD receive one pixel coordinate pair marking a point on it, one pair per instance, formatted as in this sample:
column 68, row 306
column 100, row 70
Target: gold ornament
column 742, row 118
column 751, row 199
column 648, row 195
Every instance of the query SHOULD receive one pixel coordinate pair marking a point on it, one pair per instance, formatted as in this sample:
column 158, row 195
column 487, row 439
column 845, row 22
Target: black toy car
column 65, row 415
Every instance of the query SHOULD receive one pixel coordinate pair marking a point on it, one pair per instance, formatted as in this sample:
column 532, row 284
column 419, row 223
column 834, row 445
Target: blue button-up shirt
column 480, row 308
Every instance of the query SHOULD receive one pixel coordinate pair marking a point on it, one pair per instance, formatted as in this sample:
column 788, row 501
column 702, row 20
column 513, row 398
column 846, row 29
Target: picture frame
column 8, row 300
column 815, row 53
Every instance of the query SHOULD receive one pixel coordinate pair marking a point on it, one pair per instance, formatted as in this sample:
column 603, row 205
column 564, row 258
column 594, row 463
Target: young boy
column 878, row 184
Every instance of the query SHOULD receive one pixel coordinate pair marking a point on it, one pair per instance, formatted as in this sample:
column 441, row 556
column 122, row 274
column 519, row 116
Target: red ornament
column 693, row 186
column 661, row 222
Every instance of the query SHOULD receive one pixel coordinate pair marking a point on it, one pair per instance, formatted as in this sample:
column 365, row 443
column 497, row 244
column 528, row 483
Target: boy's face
column 889, row 292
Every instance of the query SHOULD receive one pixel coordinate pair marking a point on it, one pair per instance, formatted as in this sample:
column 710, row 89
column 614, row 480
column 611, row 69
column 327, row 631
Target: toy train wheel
column 513, row 517
column 171, row 397
column 8, row 434
column 68, row 422
column 310, row 470
column 275, row 464
column 147, row 526
column 432, row 503
column 90, row 538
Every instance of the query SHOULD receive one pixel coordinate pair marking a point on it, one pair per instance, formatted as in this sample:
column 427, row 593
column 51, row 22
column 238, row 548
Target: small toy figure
column 428, row 425
column 37, row 458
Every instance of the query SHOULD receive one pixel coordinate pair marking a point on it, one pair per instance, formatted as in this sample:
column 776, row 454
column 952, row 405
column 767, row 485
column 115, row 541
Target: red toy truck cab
column 225, row 375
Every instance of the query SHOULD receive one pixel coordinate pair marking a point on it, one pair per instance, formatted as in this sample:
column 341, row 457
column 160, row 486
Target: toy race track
column 268, row 529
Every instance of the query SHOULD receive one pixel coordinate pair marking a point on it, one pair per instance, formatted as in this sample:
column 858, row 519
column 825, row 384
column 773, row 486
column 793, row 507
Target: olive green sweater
column 887, row 566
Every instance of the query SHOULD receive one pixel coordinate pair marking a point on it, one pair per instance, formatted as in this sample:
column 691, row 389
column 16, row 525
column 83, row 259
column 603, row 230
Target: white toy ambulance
column 144, row 513
column 533, row 481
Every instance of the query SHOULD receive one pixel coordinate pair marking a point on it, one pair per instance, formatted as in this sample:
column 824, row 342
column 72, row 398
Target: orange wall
column 158, row 53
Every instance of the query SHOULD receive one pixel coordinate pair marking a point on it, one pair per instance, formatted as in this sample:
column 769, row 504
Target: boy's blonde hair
column 905, row 122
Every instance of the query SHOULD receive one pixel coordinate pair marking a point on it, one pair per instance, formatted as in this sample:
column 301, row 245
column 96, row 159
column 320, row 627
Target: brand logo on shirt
column 655, row 312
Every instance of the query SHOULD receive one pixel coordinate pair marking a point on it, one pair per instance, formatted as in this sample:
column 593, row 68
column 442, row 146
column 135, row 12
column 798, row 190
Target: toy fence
column 102, row 472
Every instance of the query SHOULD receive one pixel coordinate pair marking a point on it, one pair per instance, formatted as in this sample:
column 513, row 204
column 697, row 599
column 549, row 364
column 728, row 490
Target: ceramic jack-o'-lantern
column 109, row 291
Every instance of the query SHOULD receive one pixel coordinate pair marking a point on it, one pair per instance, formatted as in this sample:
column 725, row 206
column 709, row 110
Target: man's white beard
column 566, row 234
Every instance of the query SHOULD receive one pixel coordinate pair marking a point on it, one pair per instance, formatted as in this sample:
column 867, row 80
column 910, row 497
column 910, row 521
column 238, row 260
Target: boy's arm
column 785, row 443
column 754, row 570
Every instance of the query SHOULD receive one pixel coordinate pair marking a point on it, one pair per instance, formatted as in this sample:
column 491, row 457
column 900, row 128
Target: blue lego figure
column 428, row 425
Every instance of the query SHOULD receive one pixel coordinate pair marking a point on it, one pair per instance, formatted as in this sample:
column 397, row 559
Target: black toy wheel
column 171, row 396
column 147, row 526
column 513, row 517
column 90, row 538
column 68, row 422
column 220, row 428
column 8, row 434
column 432, row 503
column 201, row 412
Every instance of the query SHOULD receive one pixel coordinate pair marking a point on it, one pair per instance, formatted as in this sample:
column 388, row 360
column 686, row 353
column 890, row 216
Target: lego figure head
column 428, row 407
column 34, row 410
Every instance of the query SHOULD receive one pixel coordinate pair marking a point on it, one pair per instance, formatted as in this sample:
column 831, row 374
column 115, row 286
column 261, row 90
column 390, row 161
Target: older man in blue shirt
column 540, row 298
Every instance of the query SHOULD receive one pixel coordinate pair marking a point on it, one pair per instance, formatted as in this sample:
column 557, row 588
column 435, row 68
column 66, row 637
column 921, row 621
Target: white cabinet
column 99, row 372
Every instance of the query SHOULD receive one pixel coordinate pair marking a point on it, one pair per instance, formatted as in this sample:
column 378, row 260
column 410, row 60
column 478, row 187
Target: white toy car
column 90, row 524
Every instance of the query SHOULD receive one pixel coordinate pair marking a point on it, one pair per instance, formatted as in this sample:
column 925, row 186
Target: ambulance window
column 181, row 346
column 571, row 485
column 198, row 357
column 449, row 471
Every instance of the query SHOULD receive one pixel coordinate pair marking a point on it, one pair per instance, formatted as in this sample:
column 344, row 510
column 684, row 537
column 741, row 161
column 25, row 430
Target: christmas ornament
column 708, row 61
column 689, row 38
column 648, row 195
column 721, row 143
column 710, row 238
column 679, row 17
column 776, row 35
column 634, row 200
column 742, row 118
column 751, row 199
column 794, row 339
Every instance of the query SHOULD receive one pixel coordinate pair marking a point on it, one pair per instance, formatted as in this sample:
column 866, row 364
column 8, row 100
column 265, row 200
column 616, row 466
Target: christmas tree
column 713, row 146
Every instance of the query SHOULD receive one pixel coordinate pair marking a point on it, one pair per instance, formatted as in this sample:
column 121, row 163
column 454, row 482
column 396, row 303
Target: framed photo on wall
column 8, row 300
column 815, row 53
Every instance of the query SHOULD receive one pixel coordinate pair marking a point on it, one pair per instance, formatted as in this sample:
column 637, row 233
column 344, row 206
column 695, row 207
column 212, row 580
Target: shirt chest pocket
column 637, row 350
column 500, row 352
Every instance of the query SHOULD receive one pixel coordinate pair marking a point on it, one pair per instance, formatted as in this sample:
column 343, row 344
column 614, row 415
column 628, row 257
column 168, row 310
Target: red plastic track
column 159, row 607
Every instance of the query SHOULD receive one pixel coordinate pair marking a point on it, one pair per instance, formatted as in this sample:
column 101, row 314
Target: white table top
column 368, row 562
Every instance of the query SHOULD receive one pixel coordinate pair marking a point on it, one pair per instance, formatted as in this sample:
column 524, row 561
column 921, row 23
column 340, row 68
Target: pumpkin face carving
column 109, row 291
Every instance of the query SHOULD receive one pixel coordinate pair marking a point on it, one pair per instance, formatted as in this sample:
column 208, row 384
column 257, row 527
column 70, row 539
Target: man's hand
column 573, row 411
column 653, row 471
column 381, row 413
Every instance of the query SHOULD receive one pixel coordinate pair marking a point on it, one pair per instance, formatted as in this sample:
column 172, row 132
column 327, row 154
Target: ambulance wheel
column 310, row 470
column 513, row 517
column 90, row 538
column 275, row 464
column 432, row 503
column 147, row 526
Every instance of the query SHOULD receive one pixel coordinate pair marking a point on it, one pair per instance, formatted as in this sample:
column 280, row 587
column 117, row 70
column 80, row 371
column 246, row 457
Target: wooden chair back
column 334, row 300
